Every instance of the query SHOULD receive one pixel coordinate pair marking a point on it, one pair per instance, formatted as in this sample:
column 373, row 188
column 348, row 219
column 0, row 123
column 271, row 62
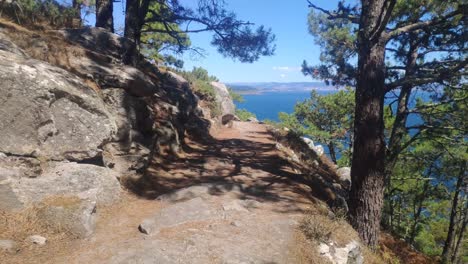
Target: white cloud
column 286, row 68
column 283, row 76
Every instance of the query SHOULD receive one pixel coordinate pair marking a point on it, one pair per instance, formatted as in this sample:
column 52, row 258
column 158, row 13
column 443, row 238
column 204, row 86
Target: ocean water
column 268, row 105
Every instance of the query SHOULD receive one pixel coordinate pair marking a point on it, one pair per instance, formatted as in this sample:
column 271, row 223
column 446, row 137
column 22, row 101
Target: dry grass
column 396, row 251
column 324, row 228
column 305, row 251
column 19, row 225
column 317, row 227
column 51, row 47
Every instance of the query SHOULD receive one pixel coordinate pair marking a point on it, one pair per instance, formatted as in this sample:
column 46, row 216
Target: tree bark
column 456, row 251
column 368, row 170
column 448, row 246
column 331, row 147
column 134, row 20
column 104, row 18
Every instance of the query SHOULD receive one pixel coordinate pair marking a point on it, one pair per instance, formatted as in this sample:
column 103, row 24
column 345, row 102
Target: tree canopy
column 164, row 24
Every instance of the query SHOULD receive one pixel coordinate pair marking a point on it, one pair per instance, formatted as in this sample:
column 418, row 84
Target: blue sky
column 288, row 21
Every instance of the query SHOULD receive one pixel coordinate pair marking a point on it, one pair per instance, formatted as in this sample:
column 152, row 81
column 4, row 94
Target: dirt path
column 245, row 164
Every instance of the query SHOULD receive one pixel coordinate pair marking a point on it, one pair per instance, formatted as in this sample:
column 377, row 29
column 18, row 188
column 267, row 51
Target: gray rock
column 105, row 66
column 189, row 211
column 71, row 214
column 60, row 178
column 8, row 245
column 345, row 176
column 223, row 98
column 308, row 141
column 37, row 239
column 48, row 112
column 349, row 254
column 100, row 40
column 130, row 113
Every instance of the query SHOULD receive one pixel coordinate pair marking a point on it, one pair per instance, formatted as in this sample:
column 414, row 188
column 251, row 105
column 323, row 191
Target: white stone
column 37, row 239
column 350, row 254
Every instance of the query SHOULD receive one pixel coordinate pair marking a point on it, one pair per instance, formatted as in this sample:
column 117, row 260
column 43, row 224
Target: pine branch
column 424, row 24
column 335, row 15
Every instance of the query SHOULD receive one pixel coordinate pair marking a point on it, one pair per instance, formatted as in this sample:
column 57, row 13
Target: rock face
column 74, row 117
column 223, row 98
column 48, row 112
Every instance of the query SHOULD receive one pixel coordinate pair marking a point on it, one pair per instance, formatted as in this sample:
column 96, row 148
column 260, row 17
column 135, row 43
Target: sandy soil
column 244, row 155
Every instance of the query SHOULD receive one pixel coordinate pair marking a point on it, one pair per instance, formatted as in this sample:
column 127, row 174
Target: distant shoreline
column 259, row 92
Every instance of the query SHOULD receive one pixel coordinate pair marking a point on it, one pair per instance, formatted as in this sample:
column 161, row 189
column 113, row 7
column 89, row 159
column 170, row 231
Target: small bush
column 244, row 114
column 200, row 83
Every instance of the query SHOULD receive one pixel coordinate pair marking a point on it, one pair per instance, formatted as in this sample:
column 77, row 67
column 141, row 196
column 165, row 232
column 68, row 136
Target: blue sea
column 267, row 105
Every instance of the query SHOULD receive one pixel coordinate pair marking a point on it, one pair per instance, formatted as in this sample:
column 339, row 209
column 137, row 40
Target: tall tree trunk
column 104, row 18
column 448, row 246
column 461, row 234
column 135, row 14
column 368, row 170
column 132, row 20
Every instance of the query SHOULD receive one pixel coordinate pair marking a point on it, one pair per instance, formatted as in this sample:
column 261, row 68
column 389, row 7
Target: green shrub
column 39, row 13
column 200, row 83
column 244, row 114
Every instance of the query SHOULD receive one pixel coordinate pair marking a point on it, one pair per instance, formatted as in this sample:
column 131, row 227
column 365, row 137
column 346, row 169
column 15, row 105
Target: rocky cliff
column 74, row 119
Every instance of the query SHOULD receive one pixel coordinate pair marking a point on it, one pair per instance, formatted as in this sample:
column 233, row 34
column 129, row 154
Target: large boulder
column 86, row 181
column 48, row 112
column 223, row 98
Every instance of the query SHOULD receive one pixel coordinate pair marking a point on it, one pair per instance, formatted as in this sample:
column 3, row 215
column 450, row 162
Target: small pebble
column 38, row 240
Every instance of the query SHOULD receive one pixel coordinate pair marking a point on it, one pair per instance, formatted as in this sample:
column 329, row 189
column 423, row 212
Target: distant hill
column 261, row 87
